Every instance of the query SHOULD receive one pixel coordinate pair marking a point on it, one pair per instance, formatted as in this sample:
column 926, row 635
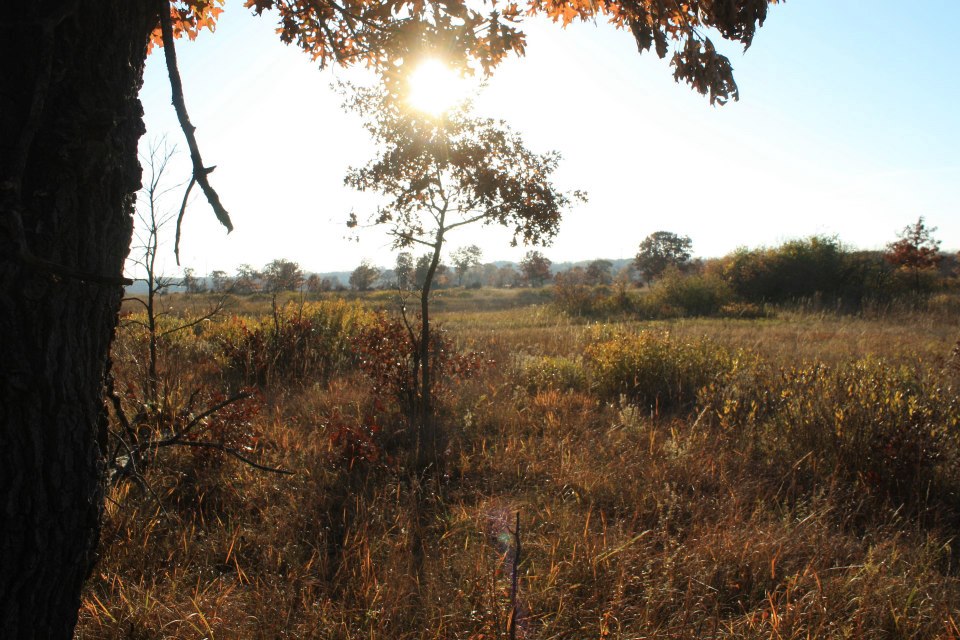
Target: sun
column 433, row 87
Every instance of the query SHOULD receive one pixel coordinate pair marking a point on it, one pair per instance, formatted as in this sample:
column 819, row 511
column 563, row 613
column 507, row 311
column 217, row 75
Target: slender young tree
column 132, row 445
column 438, row 174
column 152, row 217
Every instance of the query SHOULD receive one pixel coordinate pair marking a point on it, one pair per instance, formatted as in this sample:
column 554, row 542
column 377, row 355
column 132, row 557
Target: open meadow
column 790, row 476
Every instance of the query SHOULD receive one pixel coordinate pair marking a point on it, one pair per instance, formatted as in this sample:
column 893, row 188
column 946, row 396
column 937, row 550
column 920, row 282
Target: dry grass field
column 795, row 476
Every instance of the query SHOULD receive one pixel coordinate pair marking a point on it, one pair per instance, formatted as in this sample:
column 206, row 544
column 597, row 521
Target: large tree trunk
column 70, row 120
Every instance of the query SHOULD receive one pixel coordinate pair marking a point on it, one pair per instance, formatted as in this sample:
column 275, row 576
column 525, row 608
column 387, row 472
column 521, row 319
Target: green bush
column 654, row 369
column 574, row 298
column 690, row 294
column 811, row 268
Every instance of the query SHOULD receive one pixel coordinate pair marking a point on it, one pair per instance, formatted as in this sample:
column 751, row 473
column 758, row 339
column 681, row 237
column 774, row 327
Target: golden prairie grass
column 633, row 524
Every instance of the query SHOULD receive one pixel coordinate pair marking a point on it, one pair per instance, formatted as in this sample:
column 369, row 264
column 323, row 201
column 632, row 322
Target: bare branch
column 199, row 171
column 217, row 308
column 140, row 300
column 466, row 221
column 196, row 420
column 225, row 449
column 412, row 238
column 183, row 209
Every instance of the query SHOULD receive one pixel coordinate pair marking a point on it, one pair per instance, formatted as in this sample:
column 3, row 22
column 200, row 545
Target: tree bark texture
column 70, row 121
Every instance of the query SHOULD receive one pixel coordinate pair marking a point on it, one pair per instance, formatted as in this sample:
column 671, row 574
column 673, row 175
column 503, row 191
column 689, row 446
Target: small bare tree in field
column 155, row 423
column 438, row 174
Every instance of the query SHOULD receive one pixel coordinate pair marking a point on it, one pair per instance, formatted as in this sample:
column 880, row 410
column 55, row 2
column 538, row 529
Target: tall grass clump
column 296, row 342
column 578, row 299
column 891, row 430
column 654, row 369
column 541, row 373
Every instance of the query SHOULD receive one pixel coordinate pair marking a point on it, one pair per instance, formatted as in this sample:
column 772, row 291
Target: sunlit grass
column 690, row 523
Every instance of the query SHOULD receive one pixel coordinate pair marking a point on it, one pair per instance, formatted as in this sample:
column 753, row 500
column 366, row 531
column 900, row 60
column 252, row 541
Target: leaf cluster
column 481, row 34
column 188, row 18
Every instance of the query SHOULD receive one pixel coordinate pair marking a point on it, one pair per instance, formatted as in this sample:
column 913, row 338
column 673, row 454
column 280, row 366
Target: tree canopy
column 437, row 174
column 464, row 259
column 282, row 275
column 535, row 268
column 440, row 174
column 916, row 250
column 364, row 276
column 383, row 34
column 660, row 250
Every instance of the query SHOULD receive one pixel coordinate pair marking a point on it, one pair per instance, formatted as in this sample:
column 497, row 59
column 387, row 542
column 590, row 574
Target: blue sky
column 847, row 124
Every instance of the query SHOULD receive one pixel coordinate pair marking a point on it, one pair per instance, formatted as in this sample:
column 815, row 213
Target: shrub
column 386, row 352
column 354, row 442
column 233, row 427
column 654, row 369
column 571, row 295
column 945, row 305
column 690, row 294
column 811, row 267
column 744, row 310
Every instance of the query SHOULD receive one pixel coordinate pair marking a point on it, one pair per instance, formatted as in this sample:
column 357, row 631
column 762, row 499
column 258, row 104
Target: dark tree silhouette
column 662, row 249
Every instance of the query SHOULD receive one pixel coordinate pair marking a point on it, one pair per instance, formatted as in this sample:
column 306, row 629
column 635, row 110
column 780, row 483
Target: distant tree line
column 818, row 269
column 276, row 276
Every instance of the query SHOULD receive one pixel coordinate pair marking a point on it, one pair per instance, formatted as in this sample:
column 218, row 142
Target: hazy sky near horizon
column 848, row 124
